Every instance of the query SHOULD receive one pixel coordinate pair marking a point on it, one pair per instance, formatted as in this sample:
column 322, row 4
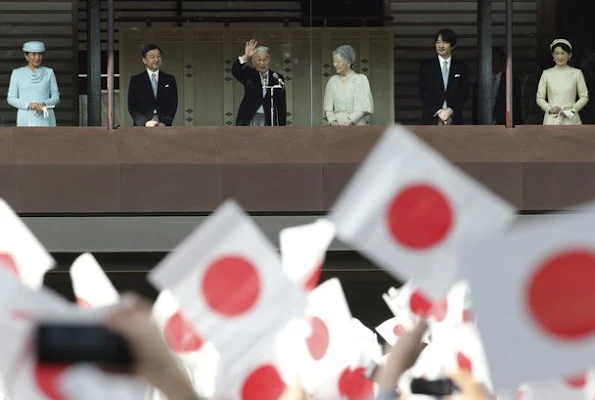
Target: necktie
column 445, row 74
column 263, row 80
column 154, row 83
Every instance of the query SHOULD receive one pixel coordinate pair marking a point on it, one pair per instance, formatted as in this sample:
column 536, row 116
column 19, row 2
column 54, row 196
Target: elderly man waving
column 255, row 109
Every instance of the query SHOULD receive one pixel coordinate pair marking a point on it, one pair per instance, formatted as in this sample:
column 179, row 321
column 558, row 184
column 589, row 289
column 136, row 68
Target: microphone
column 276, row 76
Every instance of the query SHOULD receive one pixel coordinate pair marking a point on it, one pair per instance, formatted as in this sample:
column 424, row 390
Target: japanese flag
column 229, row 281
column 20, row 306
column 532, row 291
column 200, row 357
column 392, row 329
column 178, row 330
column 34, row 381
column 257, row 378
column 20, row 252
column 303, row 249
column 91, row 286
column 572, row 388
column 463, row 350
column 329, row 358
column 409, row 302
column 408, row 209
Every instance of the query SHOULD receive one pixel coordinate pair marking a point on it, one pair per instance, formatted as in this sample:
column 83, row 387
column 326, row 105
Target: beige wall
column 201, row 59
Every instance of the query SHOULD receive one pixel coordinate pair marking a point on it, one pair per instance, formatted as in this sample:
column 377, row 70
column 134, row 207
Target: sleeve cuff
column 242, row 60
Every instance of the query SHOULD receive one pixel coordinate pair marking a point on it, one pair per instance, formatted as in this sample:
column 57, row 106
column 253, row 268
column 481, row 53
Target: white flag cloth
column 410, row 210
column 303, row 249
column 20, row 307
column 392, row 329
column 91, row 286
column 531, row 290
column 200, row 357
column 228, row 279
column 20, row 251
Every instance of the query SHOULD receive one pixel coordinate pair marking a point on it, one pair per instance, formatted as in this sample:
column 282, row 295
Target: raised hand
column 250, row 49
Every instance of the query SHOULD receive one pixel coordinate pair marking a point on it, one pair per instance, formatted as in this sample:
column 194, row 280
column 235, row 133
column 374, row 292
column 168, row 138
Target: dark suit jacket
column 499, row 111
column 142, row 102
column 432, row 93
column 253, row 98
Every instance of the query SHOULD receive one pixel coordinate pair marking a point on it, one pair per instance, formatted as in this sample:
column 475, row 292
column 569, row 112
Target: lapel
column 438, row 72
column 147, row 83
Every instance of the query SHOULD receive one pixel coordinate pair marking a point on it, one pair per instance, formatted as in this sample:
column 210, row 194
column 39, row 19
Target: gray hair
column 346, row 52
column 263, row 49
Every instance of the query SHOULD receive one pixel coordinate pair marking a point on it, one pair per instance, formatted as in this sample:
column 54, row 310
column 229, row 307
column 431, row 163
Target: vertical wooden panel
column 187, row 108
column 327, row 68
column 228, row 85
column 286, row 51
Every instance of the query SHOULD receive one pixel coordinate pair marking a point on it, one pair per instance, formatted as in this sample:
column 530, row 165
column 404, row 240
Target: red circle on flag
column 559, row 294
column 48, row 377
column 7, row 262
column 354, row 385
column 419, row 217
column 313, row 278
column 464, row 363
column 577, row 382
column 181, row 335
column 264, row 383
column 420, row 305
column 318, row 340
column 82, row 303
column 231, row 286
column 440, row 310
column 399, row 330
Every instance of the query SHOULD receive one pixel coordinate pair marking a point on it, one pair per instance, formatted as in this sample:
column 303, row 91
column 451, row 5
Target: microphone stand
column 279, row 85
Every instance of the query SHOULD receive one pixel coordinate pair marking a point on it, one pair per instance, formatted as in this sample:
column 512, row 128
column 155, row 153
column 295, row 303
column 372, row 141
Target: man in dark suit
column 152, row 94
column 443, row 83
column 255, row 109
column 499, row 93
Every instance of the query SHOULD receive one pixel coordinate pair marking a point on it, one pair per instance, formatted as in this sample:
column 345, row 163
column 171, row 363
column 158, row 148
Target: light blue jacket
column 29, row 86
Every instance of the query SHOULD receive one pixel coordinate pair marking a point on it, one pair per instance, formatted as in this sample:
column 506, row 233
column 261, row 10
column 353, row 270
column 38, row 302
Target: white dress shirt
column 441, row 63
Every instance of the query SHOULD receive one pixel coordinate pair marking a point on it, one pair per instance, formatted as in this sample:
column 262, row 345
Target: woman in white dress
column 560, row 86
column 347, row 98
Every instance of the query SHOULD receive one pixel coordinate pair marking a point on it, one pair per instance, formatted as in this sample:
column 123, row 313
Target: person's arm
column 328, row 104
column 239, row 67
column 423, row 86
column 403, row 356
column 172, row 106
column 583, row 92
column 54, row 92
column 133, row 104
column 542, row 93
column 13, row 93
column 363, row 101
column 153, row 359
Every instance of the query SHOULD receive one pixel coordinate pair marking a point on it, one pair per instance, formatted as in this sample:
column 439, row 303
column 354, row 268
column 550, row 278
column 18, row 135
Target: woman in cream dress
column 347, row 98
column 559, row 86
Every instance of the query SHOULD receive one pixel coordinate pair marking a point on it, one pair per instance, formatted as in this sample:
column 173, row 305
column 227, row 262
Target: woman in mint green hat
column 33, row 89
